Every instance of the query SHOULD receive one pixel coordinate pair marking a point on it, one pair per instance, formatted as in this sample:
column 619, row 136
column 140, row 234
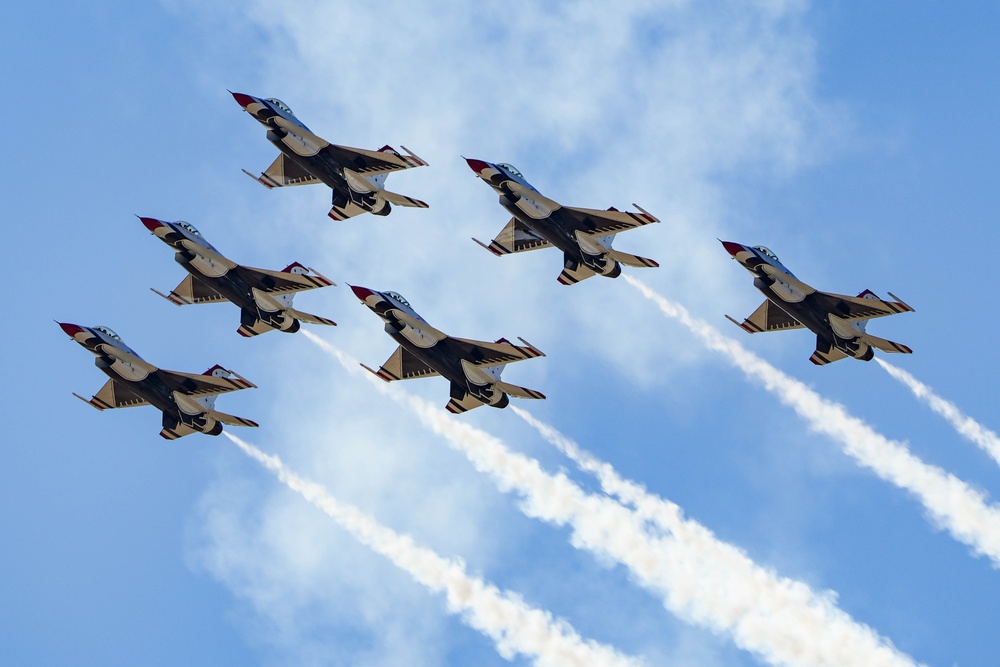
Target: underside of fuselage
column 560, row 235
column 447, row 361
column 816, row 319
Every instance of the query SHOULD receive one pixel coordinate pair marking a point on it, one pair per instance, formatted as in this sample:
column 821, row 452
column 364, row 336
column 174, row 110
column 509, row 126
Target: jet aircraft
column 838, row 321
column 186, row 400
column 584, row 235
column 264, row 297
column 473, row 367
column 357, row 176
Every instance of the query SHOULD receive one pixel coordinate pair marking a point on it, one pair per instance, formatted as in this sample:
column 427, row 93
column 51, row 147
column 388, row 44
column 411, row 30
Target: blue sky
column 858, row 142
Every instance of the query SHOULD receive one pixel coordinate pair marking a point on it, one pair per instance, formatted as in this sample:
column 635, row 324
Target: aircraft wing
column 403, row 365
column 371, row 163
column 865, row 306
column 192, row 384
column 768, row 317
column 612, row 221
column 114, row 394
column 515, row 237
column 284, row 172
column 289, row 280
column 503, row 351
column 191, row 291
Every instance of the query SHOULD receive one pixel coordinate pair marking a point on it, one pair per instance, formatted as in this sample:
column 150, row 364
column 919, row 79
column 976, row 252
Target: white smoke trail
column 778, row 619
column 966, row 426
column 954, row 505
column 515, row 627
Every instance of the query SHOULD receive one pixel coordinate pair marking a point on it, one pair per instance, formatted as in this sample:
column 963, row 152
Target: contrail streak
column 778, row 619
column 515, row 627
column 722, row 566
column 954, row 505
column 966, row 426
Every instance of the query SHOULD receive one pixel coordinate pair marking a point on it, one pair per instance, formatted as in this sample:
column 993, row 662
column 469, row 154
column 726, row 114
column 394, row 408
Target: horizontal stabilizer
column 828, row 357
column 520, row 392
column 885, row 345
column 633, row 260
column 572, row 276
column 179, row 430
column 464, row 404
column 232, row 420
column 400, row 200
column 309, row 317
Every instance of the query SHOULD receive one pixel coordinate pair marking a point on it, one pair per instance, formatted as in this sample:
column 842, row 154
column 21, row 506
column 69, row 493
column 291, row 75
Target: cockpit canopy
column 109, row 333
column 281, row 105
column 511, row 169
column 187, row 226
column 767, row 253
column 398, row 297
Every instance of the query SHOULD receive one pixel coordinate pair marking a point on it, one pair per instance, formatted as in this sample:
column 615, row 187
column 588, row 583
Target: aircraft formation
column 357, row 178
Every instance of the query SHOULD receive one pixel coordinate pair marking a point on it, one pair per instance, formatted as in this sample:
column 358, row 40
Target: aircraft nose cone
column 361, row 292
column 243, row 100
column 477, row 166
column 152, row 224
column 733, row 248
column 71, row 329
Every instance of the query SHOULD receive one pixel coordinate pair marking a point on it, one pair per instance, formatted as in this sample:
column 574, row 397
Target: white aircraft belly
column 476, row 375
column 533, row 209
column 418, row 337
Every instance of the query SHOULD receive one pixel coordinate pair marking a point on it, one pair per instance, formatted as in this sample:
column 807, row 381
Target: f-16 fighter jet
column 584, row 235
column 472, row 366
column 838, row 321
column 356, row 176
column 264, row 297
column 186, row 400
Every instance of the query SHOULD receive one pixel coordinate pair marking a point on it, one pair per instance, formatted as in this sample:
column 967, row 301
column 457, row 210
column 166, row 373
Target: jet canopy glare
column 189, row 227
column 109, row 333
column 511, row 169
column 766, row 252
column 398, row 297
column 281, row 105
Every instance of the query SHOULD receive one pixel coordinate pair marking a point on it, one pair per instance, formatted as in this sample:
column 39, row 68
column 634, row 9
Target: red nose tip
column 243, row 100
column 152, row 224
column 361, row 292
column 477, row 166
column 71, row 329
column 733, row 248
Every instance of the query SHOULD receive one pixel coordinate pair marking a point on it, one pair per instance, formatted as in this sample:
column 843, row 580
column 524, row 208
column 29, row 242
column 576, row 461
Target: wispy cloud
column 966, row 426
column 791, row 626
column 514, row 626
column 960, row 509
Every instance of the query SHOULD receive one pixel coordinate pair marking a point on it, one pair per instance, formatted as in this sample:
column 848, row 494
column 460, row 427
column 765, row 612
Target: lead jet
column 356, row 176
column 584, row 235
column 186, row 400
column 838, row 321
column 473, row 367
column 264, row 297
